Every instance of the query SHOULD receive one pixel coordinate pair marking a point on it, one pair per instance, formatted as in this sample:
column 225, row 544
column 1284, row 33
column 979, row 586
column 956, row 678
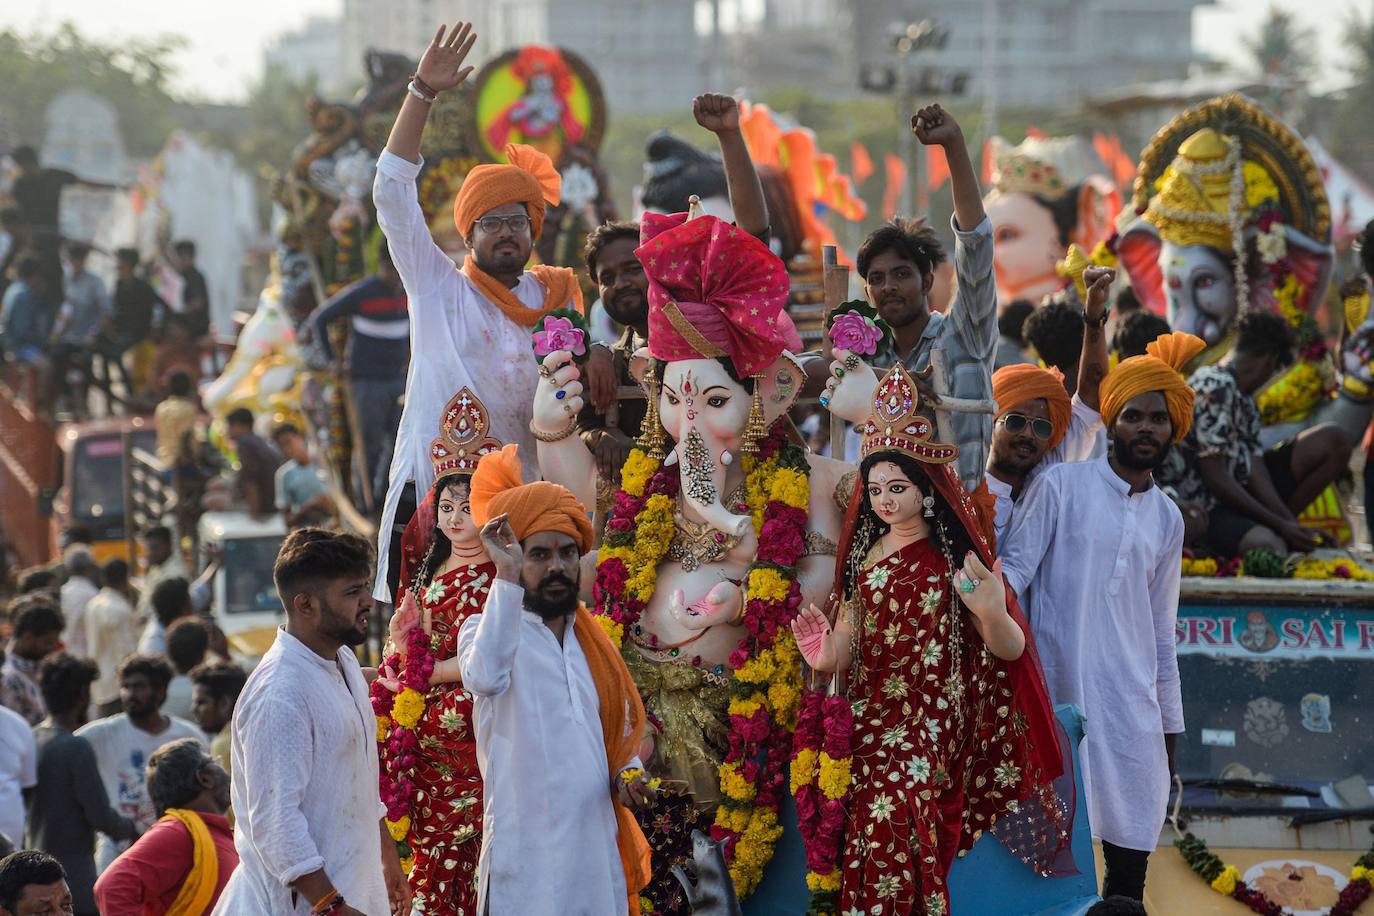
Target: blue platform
column 989, row 881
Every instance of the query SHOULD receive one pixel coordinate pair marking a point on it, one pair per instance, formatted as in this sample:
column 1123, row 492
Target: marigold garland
column 766, row 688
column 398, row 710
column 1227, row 881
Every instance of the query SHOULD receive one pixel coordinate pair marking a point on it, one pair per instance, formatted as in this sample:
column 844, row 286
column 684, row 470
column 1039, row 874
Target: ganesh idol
column 1230, row 214
column 1046, row 193
column 721, row 528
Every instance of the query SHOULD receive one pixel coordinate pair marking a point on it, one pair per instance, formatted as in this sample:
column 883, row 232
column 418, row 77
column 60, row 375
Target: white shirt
column 18, row 771
column 122, row 750
column 1084, row 440
column 111, row 636
column 1102, row 567
column 548, row 825
column 170, row 568
column 77, row 592
column 178, row 702
column 304, row 784
column 457, row 339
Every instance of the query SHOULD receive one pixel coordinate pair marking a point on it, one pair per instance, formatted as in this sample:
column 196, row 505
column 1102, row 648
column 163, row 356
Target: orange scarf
column 561, row 289
column 622, row 712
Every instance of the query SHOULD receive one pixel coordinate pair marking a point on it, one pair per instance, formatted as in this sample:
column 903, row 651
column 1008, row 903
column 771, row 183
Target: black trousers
column 1125, row 871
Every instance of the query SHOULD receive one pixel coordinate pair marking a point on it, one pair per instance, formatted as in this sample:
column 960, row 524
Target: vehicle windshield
column 248, row 586
column 97, row 485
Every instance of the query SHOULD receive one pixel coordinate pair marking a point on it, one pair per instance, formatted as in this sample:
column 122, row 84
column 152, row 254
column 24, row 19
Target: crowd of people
column 117, row 692
column 510, row 730
column 59, row 319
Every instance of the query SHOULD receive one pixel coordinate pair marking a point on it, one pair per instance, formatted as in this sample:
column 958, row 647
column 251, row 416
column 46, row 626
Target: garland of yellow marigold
column 767, row 684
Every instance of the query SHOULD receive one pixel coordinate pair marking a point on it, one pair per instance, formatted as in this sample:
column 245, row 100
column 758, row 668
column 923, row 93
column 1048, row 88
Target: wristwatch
column 1100, row 322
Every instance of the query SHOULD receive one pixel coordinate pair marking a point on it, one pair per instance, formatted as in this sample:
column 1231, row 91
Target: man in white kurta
column 1098, row 556
column 551, row 840
column 305, row 789
column 460, row 335
column 548, row 829
column 1102, row 566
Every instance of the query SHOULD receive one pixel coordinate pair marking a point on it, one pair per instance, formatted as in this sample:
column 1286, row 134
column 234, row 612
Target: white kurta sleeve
column 421, row 263
column 487, row 641
column 277, row 745
column 1031, row 532
column 1164, row 585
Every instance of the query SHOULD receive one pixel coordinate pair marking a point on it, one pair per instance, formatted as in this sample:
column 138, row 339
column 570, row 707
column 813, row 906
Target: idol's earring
column 651, row 437
column 755, row 430
column 929, row 503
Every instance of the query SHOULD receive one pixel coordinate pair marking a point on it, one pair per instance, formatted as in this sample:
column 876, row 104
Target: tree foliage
column 132, row 75
column 1352, row 138
column 1282, row 48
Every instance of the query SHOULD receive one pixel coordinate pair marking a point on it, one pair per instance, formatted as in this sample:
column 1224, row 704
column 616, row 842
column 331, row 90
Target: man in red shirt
column 158, row 873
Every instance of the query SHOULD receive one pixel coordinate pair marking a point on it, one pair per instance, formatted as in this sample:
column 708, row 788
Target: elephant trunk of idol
column 703, row 483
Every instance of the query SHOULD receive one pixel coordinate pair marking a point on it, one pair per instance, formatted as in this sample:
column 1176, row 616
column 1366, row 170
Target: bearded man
column 558, row 719
column 470, row 327
column 1040, row 421
column 1099, row 545
column 309, row 826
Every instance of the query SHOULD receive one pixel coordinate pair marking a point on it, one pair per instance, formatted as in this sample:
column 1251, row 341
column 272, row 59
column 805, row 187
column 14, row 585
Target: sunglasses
column 518, row 223
column 1041, row 428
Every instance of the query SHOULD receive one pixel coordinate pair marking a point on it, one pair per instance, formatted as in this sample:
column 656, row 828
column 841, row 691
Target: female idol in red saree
column 430, row 781
column 952, row 725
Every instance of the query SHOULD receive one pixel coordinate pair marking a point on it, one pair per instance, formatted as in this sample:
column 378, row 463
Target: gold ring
column 545, row 371
column 851, row 362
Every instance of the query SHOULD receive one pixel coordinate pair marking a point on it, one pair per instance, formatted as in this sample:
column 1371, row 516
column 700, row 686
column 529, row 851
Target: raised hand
column 499, row 540
column 1099, row 281
column 934, row 126
column 849, row 392
column 716, row 113
column 558, row 399
column 981, row 589
column 441, row 66
column 815, row 639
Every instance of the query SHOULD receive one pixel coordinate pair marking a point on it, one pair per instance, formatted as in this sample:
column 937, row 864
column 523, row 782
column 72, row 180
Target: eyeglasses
column 517, row 223
column 1040, row 427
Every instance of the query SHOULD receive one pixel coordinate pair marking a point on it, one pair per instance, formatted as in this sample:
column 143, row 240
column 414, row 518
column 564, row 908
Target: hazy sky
column 227, row 38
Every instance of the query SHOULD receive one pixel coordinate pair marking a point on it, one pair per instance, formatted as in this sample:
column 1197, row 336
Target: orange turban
column 1017, row 384
column 497, row 489
column 1160, row 369
column 529, row 179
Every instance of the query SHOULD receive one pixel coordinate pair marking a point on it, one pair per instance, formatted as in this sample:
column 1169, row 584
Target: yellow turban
column 1159, row 369
column 497, row 489
column 530, row 179
column 1017, row 384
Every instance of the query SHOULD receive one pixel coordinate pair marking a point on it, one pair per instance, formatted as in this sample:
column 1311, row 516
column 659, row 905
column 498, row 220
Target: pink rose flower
column 559, row 334
column 855, row 333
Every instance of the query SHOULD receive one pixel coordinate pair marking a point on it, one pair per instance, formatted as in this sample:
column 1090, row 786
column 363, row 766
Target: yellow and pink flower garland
column 821, row 760
column 398, row 699
column 765, row 691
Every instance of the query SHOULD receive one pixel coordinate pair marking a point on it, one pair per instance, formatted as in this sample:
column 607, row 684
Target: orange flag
column 896, row 178
column 862, row 163
column 937, row 168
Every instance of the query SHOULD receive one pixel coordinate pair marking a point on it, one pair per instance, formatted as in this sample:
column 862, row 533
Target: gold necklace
column 696, row 544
